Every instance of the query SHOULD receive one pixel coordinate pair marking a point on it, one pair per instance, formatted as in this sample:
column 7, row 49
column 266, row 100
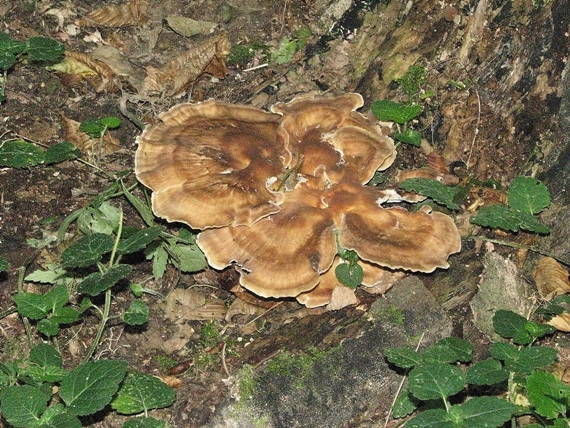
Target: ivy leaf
column 429, row 381
column 434, row 189
column 528, row 195
column 87, row 250
column 61, row 152
column 548, row 394
column 387, row 110
column 403, row 357
column 139, row 240
column 137, row 314
column 20, row 154
column 44, row 49
column 90, row 386
column 141, row 392
column 486, row 372
column 98, row 282
column 22, row 405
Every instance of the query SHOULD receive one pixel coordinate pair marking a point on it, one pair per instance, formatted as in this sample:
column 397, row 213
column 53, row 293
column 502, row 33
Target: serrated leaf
column 349, row 275
column 44, row 49
column 528, row 195
column 137, row 313
column 403, row 357
column 487, row 412
column 507, row 218
column 48, row 327
column 434, row 189
column 160, row 259
column 139, row 240
column 87, row 251
column 504, row 351
column 7, row 44
column 524, row 360
column 449, row 350
column 189, row 258
column 32, row 305
column 65, row 315
column 20, row 154
column 7, row 61
column 486, row 372
column 404, row 405
column 45, row 355
column 39, row 374
column 144, row 423
column 3, row 265
column 90, row 386
column 538, row 330
column 429, row 381
column 143, row 209
column 23, row 405
column 61, row 420
column 547, row 394
column 387, row 110
column 98, row 282
column 111, row 122
column 285, row 51
column 141, row 392
column 57, row 296
column 432, row 418
column 50, row 276
column 61, row 152
column 409, row 136
column 509, row 324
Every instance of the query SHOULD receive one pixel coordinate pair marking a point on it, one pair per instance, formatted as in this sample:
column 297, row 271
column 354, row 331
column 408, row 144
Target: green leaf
column 23, row 405
column 189, row 257
column 409, row 136
column 111, row 122
column 387, row 110
column 137, row 314
column 139, row 240
column 44, row 49
column 32, row 305
column 60, row 420
column 7, row 61
column 7, row 44
column 104, row 219
column 504, row 351
column 144, row 423
column 92, row 127
column 3, row 265
column 98, row 282
column 285, row 51
column 539, row 330
column 507, row 218
column 404, row 405
column 61, row 152
column 141, row 392
column 547, row 394
column 49, row 374
column 486, row 372
column 432, row 418
column 349, row 275
column 524, row 360
column 403, row 357
column 160, row 259
column 87, row 251
column 90, row 386
column 45, row 355
column 449, row 350
column 20, row 154
column 434, row 189
column 143, row 209
column 65, row 315
column 487, row 412
column 57, row 296
column 528, row 195
column 49, row 327
column 429, row 381
column 510, row 325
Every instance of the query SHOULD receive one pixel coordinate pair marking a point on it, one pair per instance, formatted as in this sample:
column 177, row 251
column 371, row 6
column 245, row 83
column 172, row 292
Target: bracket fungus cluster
column 273, row 193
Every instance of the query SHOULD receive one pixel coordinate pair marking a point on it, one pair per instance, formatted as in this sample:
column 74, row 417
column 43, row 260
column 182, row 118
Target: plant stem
column 102, row 326
column 21, row 273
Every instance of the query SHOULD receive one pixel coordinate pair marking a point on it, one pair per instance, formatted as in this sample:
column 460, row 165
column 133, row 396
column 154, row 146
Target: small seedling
column 22, row 154
column 349, row 273
column 401, row 114
column 518, row 367
column 289, row 46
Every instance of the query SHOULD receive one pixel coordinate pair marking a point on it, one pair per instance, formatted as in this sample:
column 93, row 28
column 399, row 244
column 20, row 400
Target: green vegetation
column 34, row 50
column 289, row 46
column 441, row 374
column 242, row 54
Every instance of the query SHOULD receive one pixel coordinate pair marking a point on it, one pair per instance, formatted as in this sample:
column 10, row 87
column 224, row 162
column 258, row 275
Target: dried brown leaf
column 561, row 322
column 176, row 76
column 86, row 144
column 97, row 73
column 171, row 381
column 551, row 278
column 131, row 13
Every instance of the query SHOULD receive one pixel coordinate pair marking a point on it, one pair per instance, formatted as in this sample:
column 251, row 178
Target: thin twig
column 259, row 316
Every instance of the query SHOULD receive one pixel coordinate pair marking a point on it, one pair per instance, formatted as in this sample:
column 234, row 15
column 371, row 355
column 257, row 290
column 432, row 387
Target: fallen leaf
column 86, row 144
column 341, row 298
column 561, row 322
column 551, row 278
column 189, row 27
column 99, row 75
column 176, row 76
column 131, row 13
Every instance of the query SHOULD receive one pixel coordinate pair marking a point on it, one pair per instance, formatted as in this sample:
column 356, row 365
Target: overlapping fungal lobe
column 391, row 237
column 329, row 133
column 209, row 164
column 281, row 255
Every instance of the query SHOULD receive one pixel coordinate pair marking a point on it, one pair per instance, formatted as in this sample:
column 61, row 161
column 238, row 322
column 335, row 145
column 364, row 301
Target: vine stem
column 519, row 246
column 107, row 307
